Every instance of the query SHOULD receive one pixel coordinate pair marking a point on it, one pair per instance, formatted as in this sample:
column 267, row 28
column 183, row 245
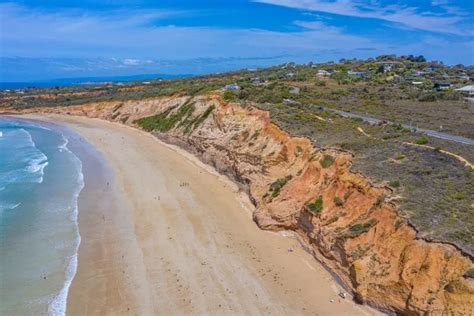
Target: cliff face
column 344, row 220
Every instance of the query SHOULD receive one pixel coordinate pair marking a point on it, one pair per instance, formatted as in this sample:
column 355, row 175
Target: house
column 359, row 74
column 323, row 73
column 463, row 76
column 420, row 73
column 469, row 90
column 417, row 83
column 387, row 68
column 442, row 85
column 258, row 82
column 232, row 87
column 255, row 81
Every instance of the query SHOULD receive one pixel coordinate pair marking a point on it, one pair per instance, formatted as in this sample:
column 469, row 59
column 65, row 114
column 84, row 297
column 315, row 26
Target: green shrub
column 327, row 161
column 338, row 201
column 229, row 96
column 175, row 117
column 428, row 97
column 361, row 228
column 422, row 141
column 192, row 123
column 317, row 206
column 469, row 273
column 400, row 157
column 394, row 183
column 320, row 83
column 277, row 185
column 166, row 120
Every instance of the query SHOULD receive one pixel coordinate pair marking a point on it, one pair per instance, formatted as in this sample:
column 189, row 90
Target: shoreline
column 50, row 297
column 253, row 254
column 59, row 303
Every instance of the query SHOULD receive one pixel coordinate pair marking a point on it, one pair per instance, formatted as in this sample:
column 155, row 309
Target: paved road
column 428, row 132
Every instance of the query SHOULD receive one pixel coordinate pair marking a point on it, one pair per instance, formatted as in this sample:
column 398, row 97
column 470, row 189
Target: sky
column 43, row 40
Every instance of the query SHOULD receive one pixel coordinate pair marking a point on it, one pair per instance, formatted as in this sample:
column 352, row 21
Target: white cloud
column 123, row 34
column 401, row 14
column 131, row 62
column 129, row 41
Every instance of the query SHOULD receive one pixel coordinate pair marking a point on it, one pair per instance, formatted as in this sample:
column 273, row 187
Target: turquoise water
column 40, row 181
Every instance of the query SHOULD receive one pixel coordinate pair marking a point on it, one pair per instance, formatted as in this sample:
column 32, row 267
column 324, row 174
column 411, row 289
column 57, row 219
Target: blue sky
column 51, row 39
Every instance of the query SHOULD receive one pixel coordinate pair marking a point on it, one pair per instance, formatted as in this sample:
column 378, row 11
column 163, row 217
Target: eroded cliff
column 342, row 218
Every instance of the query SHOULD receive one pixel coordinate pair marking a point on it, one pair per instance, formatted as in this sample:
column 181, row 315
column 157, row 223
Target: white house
column 232, row 87
column 469, row 90
column 323, row 73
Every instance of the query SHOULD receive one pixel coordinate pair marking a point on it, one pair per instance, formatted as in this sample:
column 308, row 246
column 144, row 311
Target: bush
column 276, row 186
column 198, row 120
column 359, row 229
column 469, row 273
column 320, row 83
column 317, row 206
column 166, row 120
column 338, row 201
column 428, row 97
column 394, row 183
column 422, row 141
column 327, row 161
column 229, row 96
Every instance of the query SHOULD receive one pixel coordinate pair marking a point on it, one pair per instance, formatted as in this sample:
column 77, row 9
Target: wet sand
column 164, row 234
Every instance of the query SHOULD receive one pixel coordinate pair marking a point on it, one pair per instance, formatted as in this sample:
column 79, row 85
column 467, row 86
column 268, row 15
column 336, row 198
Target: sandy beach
column 164, row 234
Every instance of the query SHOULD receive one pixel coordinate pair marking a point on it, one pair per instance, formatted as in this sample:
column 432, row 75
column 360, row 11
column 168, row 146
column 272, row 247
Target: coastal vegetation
column 360, row 228
column 327, row 161
column 276, row 186
column 435, row 191
column 317, row 206
column 179, row 116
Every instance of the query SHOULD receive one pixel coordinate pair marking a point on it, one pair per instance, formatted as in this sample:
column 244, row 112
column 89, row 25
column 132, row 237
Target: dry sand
column 163, row 234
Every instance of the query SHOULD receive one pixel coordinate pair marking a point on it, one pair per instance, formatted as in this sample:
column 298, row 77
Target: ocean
column 40, row 181
column 88, row 81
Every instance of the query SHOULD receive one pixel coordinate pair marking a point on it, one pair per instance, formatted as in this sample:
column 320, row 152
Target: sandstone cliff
column 341, row 217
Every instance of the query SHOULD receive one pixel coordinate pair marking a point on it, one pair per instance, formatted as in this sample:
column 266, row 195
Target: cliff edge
column 344, row 220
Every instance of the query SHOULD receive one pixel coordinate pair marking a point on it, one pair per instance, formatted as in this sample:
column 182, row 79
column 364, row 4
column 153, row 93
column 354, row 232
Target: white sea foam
column 8, row 206
column 63, row 146
column 1, row 134
column 57, row 305
column 38, row 162
column 14, row 122
column 24, row 161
